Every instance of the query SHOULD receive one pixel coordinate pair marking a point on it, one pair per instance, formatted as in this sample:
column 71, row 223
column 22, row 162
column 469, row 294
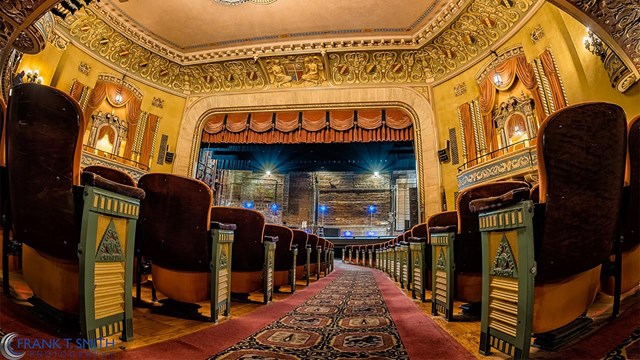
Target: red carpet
column 422, row 337
column 419, row 335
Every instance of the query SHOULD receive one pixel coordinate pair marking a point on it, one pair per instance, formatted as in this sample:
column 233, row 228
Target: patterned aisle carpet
column 348, row 319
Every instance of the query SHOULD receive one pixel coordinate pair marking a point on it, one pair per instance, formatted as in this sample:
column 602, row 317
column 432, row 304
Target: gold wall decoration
column 84, row 68
column 619, row 18
column 467, row 37
column 101, row 39
column 460, row 89
column 295, row 70
column 508, row 53
column 157, row 102
column 59, row 41
column 537, row 34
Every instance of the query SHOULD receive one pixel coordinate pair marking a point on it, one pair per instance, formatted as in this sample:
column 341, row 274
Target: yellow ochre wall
column 582, row 74
column 59, row 68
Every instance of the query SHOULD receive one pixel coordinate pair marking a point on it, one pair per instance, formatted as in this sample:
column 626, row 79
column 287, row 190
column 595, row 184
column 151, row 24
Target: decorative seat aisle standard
column 303, row 259
column 77, row 231
column 456, row 261
column 190, row 254
column 541, row 262
column 253, row 252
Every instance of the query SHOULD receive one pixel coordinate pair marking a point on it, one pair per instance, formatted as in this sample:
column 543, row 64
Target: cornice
column 468, row 37
column 111, row 15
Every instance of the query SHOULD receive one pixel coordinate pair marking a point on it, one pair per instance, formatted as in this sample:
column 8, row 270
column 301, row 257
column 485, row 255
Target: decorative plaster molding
column 620, row 19
column 513, row 51
column 157, row 102
column 137, row 33
column 59, row 41
column 537, row 34
column 84, row 68
column 466, row 38
column 460, row 89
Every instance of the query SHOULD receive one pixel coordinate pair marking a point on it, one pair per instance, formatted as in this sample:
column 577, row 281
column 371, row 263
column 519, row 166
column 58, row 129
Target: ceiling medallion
column 237, row 2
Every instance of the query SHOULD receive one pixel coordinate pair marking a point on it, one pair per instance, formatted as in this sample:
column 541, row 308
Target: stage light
column 248, row 204
column 323, row 209
column 347, row 233
column 274, row 207
column 372, row 209
column 376, row 173
column 268, row 172
column 371, row 233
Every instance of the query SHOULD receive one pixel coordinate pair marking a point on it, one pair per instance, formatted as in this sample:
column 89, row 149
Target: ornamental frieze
column 467, row 37
column 517, row 163
column 620, row 19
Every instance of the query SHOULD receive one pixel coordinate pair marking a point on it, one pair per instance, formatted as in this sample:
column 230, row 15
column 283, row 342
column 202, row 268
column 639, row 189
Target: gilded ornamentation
column 223, row 259
column 34, row 38
column 157, row 102
column 459, row 89
column 111, row 45
column 109, row 248
column 286, row 71
column 89, row 159
column 58, row 41
column 84, row 68
column 513, row 51
column 504, row 265
column 18, row 11
column 620, row 19
column 516, row 163
column 477, row 28
column 441, row 263
column 537, row 34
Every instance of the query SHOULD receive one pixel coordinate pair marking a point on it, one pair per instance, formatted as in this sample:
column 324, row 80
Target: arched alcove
column 411, row 101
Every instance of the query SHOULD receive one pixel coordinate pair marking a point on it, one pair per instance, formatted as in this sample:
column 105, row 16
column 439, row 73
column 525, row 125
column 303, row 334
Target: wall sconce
column 595, row 46
column 497, row 79
column 33, row 77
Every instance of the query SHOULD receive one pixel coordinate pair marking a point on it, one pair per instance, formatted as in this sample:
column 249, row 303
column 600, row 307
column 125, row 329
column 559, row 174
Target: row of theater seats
column 81, row 232
column 533, row 258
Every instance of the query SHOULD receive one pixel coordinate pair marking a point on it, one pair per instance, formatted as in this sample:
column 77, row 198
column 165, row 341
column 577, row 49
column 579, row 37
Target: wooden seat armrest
column 512, row 197
column 294, row 246
column 222, row 226
column 270, row 238
column 443, row 229
column 91, row 179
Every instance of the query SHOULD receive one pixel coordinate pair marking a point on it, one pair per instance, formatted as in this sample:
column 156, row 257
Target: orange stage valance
column 313, row 126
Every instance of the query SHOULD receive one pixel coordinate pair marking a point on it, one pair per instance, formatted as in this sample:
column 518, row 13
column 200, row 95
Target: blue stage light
column 347, row 233
column 371, row 233
column 372, row 209
column 248, row 204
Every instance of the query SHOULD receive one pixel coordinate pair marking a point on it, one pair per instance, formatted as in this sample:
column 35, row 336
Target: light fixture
column 268, row 172
column 595, row 46
column 371, row 233
column 274, row 207
column 497, row 79
column 372, row 209
column 248, row 204
column 323, row 209
column 347, row 233
column 33, row 77
column 118, row 98
column 376, row 173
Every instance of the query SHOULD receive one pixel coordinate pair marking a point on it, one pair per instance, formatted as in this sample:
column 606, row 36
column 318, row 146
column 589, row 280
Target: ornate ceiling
column 421, row 60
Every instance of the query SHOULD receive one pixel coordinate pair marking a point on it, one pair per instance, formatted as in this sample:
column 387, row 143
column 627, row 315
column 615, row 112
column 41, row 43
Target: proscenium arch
column 407, row 99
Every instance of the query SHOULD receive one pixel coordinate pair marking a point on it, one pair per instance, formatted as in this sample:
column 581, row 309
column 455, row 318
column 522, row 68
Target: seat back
column 313, row 241
column 405, row 236
column 300, row 238
column 419, row 231
column 248, row 247
column 468, row 256
column 112, row 174
column 44, row 144
column 632, row 211
column 174, row 222
column 284, row 256
column 581, row 161
column 3, row 125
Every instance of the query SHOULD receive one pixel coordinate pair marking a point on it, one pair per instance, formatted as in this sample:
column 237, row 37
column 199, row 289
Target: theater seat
column 420, row 250
column 112, row 174
column 457, row 238
column 304, row 254
column 285, row 257
column 630, row 247
column 188, row 250
column 253, row 252
column 77, row 229
column 542, row 261
column 314, row 267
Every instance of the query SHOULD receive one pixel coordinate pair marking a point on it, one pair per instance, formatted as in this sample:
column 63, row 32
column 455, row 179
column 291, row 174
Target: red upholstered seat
column 284, row 262
column 249, row 257
column 112, row 174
